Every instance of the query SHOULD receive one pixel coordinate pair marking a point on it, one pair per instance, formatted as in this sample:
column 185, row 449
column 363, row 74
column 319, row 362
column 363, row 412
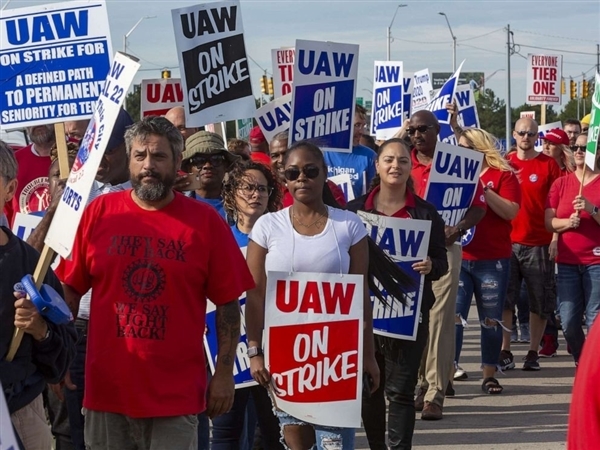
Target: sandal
column 491, row 386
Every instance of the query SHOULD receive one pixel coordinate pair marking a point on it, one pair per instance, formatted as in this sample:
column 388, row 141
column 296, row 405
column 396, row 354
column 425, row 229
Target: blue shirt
column 360, row 165
column 216, row 203
column 240, row 237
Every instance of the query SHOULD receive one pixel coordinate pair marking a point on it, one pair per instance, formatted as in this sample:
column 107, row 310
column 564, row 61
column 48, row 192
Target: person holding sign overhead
column 572, row 212
column 392, row 194
column 486, row 254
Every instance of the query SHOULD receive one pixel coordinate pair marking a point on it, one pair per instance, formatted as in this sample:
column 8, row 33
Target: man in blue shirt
column 360, row 163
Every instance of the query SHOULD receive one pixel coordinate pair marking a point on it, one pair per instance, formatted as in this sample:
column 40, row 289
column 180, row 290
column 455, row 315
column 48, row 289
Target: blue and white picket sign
column 388, row 99
column 61, row 234
column 344, row 182
column 53, row 62
column 438, row 106
column 467, row 108
column 323, row 94
column 542, row 130
column 24, row 224
column 406, row 241
column 274, row 117
column 407, row 95
column 453, row 180
column 241, row 368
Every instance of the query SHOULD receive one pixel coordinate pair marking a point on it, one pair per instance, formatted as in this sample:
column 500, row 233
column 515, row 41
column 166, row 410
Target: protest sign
column 453, row 180
column 24, row 224
column 475, row 79
column 406, row 241
column 438, row 107
column 283, row 71
column 386, row 117
column 527, row 115
column 243, row 127
column 218, row 128
column 407, row 89
column 160, row 95
column 344, row 182
column 422, row 90
column 323, row 94
column 8, row 441
column 544, row 73
column 467, row 108
column 53, row 59
column 542, row 130
column 594, row 129
column 61, row 234
column 241, row 366
column 313, row 345
column 274, row 117
column 212, row 57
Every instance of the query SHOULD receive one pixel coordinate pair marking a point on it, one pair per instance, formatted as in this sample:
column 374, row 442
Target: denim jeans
column 488, row 280
column 249, row 405
column 578, row 292
column 326, row 438
column 74, row 399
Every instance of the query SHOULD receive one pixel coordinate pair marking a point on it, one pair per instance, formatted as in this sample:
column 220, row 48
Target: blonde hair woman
column 556, row 145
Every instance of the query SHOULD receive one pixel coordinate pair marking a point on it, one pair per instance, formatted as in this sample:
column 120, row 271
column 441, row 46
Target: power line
column 557, row 50
column 483, row 49
column 419, row 42
column 554, row 36
column 481, row 35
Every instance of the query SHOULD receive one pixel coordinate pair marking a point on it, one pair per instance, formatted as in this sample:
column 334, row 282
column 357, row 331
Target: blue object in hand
column 48, row 302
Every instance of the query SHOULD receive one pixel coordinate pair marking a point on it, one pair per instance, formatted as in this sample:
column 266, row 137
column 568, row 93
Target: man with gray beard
column 34, row 162
column 152, row 258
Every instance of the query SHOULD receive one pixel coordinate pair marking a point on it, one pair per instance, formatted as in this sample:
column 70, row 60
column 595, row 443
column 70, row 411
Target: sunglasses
column 527, row 133
column 293, row 173
column 249, row 189
column 214, row 160
column 421, row 129
column 578, row 148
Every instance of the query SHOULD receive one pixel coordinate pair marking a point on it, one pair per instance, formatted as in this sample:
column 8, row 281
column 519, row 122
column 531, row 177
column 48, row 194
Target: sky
column 421, row 38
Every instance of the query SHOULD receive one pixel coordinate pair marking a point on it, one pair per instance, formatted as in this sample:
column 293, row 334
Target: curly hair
column 237, row 175
column 72, row 149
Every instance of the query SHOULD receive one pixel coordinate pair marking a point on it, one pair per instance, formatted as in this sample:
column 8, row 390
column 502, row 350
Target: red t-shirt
column 338, row 194
column 490, row 238
column 151, row 273
column 402, row 213
column 32, row 193
column 584, row 415
column 582, row 244
column 536, row 177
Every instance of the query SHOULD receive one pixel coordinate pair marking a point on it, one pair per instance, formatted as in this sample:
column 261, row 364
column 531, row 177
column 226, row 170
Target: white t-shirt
column 289, row 250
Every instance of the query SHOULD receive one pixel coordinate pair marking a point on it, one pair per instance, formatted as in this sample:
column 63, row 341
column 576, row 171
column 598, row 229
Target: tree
column 551, row 115
column 491, row 111
column 132, row 102
column 570, row 109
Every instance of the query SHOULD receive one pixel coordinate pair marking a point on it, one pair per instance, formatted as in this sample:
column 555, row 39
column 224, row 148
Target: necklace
column 317, row 222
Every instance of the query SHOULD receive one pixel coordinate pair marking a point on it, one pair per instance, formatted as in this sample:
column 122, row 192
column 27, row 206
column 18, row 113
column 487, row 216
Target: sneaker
column 459, row 373
column 514, row 334
column 531, row 361
column 524, row 329
column 506, row 361
column 549, row 346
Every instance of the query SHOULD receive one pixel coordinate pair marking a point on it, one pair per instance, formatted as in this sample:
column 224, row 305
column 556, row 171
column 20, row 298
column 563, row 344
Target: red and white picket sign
column 160, row 95
column 314, row 345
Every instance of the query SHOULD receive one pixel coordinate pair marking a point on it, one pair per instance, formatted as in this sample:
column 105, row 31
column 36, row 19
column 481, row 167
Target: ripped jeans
column 327, row 438
column 488, row 281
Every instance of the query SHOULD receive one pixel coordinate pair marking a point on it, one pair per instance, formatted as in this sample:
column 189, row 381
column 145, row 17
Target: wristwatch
column 254, row 351
column 594, row 211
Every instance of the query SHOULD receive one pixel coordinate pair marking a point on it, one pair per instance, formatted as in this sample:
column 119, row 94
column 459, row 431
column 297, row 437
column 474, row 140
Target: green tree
column 491, row 111
column 570, row 109
column 133, row 102
column 551, row 115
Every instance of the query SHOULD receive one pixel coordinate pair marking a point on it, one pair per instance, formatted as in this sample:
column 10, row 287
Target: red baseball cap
column 256, row 136
column 557, row 136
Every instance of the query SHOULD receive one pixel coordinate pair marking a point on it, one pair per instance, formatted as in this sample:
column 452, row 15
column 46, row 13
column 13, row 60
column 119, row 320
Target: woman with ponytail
column 392, row 194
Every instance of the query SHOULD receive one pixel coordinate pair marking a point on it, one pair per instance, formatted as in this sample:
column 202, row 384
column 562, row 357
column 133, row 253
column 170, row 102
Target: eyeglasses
column 528, row 133
column 249, row 189
column 293, row 173
column 578, row 148
column 214, row 160
column 421, row 129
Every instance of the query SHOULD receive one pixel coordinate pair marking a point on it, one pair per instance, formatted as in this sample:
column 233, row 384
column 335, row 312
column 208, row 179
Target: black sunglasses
column 528, row 133
column 293, row 173
column 421, row 129
column 580, row 148
column 214, row 160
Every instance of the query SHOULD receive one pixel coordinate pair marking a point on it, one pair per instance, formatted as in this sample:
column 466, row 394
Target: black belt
column 81, row 324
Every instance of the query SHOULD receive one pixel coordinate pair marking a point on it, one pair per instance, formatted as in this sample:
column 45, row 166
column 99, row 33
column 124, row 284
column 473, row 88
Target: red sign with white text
column 160, row 95
column 314, row 339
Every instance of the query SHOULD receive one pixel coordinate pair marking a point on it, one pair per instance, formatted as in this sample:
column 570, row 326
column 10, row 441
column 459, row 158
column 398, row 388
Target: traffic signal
column 270, row 87
column 585, row 89
column 263, row 84
column 563, row 87
column 573, row 87
column 165, row 73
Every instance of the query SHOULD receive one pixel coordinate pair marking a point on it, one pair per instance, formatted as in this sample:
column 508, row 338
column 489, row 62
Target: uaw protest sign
column 53, row 62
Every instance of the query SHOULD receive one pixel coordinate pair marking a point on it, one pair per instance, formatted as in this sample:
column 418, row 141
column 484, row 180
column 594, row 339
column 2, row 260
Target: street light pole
column 453, row 41
column 131, row 31
column 388, row 36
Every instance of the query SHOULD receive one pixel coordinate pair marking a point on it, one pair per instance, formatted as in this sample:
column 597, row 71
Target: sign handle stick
column 543, row 114
column 47, row 255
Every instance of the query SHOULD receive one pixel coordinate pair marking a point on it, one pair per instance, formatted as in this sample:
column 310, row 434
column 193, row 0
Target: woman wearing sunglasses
column 576, row 219
column 486, row 254
column 392, row 194
column 556, row 145
column 309, row 236
column 251, row 190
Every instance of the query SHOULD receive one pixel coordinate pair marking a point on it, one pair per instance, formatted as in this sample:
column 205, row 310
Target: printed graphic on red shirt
column 34, row 196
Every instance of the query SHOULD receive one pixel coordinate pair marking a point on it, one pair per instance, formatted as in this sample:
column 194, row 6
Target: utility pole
column 598, row 58
column 508, row 110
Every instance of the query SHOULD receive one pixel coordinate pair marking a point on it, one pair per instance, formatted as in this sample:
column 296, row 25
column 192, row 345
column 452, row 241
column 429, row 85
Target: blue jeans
column 327, row 438
column 488, row 280
column 578, row 291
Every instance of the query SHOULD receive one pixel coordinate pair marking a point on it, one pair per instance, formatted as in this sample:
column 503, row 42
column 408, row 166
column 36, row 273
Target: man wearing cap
column 585, row 123
column 530, row 261
column 206, row 157
column 573, row 129
column 176, row 116
column 153, row 257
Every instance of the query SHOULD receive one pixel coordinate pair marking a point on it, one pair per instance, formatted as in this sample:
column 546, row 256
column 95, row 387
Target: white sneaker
column 459, row 373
